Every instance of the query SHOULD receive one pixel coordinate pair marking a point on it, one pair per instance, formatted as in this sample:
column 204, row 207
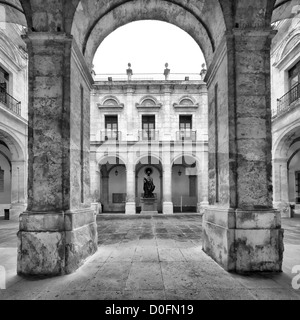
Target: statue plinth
column 149, row 205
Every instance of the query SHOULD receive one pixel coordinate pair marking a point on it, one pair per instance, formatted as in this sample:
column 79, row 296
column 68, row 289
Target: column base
column 51, row 244
column 244, row 241
column 284, row 209
column 16, row 209
column 201, row 207
column 130, row 208
column 168, row 208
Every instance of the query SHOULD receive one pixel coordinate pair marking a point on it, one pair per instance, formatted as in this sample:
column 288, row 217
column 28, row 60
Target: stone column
column 18, row 189
column 281, row 187
column 95, row 179
column 130, row 199
column 131, row 125
column 58, row 231
column 167, row 189
column 130, row 207
column 203, row 184
column 167, row 114
column 105, row 193
column 241, row 230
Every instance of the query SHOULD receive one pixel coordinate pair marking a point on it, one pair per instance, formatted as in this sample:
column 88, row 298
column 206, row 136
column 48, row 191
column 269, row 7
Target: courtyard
column 151, row 257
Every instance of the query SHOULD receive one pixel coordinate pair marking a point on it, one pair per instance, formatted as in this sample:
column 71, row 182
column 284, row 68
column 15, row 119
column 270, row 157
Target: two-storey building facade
column 285, row 60
column 141, row 124
column 13, row 119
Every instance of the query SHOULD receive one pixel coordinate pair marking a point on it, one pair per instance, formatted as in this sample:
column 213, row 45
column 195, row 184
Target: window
column 148, row 126
column 185, row 122
column 294, row 78
column 185, row 127
column 111, row 127
column 294, row 75
column 297, row 180
column 4, row 85
column 1, row 180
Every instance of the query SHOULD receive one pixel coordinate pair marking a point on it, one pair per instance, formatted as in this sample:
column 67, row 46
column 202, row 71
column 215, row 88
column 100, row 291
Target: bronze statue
column 148, row 184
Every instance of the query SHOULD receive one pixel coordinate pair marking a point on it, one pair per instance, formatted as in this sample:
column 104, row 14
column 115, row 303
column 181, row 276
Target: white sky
column 148, row 45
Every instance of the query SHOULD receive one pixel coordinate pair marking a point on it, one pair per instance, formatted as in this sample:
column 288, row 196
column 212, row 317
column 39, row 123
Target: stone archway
column 235, row 37
column 155, row 164
column 112, row 185
column 13, row 153
column 187, row 178
column 286, row 148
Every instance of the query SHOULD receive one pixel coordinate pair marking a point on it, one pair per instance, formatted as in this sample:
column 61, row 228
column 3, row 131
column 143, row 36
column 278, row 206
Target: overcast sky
column 148, row 45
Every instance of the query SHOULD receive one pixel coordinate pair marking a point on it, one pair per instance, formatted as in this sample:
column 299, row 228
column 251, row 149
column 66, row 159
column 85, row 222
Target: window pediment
column 149, row 103
column 110, row 102
column 186, row 103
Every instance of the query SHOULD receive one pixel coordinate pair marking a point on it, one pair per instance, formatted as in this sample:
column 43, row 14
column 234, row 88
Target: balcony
column 186, row 135
column 10, row 102
column 287, row 102
column 110, row 135
column 148, row 135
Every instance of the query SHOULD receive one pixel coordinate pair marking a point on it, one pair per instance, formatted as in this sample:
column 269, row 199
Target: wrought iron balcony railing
column 186, row 135
column 150, row 135
column 284, row 103
column 10, row 102
column 110, row 135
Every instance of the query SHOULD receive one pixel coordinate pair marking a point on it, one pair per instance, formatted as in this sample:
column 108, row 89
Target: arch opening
column 112, row 185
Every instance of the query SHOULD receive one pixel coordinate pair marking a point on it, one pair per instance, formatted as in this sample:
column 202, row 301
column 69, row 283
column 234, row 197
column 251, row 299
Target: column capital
column 280, row 161
column 47, row 36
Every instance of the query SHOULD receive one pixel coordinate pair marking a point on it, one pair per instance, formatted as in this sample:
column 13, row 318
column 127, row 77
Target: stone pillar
column 203, row 184
column 58, row 231
column 281, row 187
column 18, row 189
column 105, row 193
column 167, row 114
column 241, row 230
column 95, row 179
column 167, row 189
column 130, row 187
column 131, row 132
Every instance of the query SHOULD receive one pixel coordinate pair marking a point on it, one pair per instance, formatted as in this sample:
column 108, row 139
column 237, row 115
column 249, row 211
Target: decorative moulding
column 148, row 106
column 110, row 103
column 148, row 103
column 119, row 106
column 186, row 103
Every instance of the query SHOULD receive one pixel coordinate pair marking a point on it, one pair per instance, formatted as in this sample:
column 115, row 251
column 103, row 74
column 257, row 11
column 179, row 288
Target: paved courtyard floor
column 145, row 258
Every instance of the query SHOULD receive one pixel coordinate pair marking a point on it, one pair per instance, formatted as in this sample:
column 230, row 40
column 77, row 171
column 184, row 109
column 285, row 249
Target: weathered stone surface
column 218, row 243
column 51, row 222
column 41, row 253
column 80, row 244
column 252, row 242
column 259, row 250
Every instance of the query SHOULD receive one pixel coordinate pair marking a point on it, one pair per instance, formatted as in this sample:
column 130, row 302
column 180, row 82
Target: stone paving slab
column 151, row 258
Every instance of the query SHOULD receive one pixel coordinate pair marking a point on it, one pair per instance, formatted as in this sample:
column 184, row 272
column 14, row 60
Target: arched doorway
column 112, row 185
column 235, row 38
column 185, row 177
column 294, row 182
column 13, row 174
column 5, row 177
column 285, row 171
column 157, row 175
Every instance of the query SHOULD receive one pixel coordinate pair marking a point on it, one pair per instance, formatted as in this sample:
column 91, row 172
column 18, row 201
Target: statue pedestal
column 149, row 205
